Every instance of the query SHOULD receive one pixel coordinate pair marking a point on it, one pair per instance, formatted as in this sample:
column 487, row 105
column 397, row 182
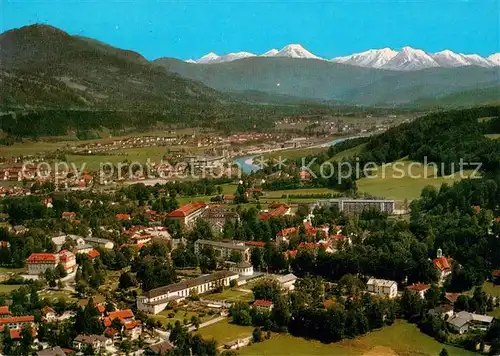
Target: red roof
column 122, row 217
column 418, row 287
column 442, row 263
column 496, row 273
column 476, row 208
column 68, row 214
column 110, row 332
column 18, row 319
column 93, row 254
column 287, row 231
column 279, row 211
column 187, row 210
column 263, row 303
column 120, row 314
column 42, row 257
column 4, row 310
column 15, row 334
column 101, row 308
column 131, row 324
column 291, row 253
column 255, row 243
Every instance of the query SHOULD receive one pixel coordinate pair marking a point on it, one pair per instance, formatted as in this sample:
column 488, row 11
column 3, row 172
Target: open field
column 13, row 270
column 295, row 153
column 276, row 194
column 493, row 136
column 491, row 289
column 401, row 338
column 180, row 316
column 351, row 152
column 224, row 332
column 404, row 180
column 54, row 295
column 7, row 288
column 495, row 313
column 230, row 295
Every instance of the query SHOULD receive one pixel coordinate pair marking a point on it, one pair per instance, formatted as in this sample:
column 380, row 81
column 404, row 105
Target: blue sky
column 328, row 28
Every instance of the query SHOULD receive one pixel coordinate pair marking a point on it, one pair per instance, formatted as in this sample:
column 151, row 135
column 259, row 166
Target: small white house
column 383, row 287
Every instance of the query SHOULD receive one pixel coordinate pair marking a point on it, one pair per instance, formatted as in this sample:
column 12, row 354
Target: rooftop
column 187, row 210
column 189, row 283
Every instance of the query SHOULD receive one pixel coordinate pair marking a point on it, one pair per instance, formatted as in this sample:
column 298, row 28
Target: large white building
column 155, row 300
column 223, row 250
column 40, row 262
column 382, row 287
column 357, row 206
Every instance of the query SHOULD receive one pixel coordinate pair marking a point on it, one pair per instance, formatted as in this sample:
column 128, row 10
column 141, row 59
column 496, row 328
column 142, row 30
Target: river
column 246, row 162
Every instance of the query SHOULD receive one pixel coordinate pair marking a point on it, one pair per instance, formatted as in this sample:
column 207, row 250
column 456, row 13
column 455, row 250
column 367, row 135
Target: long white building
column 155, row 300
column 383, row 287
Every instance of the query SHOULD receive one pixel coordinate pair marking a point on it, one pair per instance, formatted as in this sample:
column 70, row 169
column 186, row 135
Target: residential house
column 48, row 314
column 52, row 351
column 97, row 342
column 5, row 312
column 131, row 328
column 98, row 242
column 263, row 305
column 69, row 215
column 287, row 281
column 444, row 311
column 277, row 211
column 162, row 348
column 419, row 289
column 382, row 287
column 464, row 321
column 17, row 322
column 443, row 265
column 121, row 217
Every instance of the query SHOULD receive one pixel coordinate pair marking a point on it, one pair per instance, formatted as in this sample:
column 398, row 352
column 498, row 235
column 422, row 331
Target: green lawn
column 493, row 136
column 13, row 270
column 180, row 315
column 295, row 153
column 230, row 295
column 491, row 289
column 495, row 313
column 351, row 152
column 403, row 181
column 57, row 294
column 224, row 332
column 7, row 288
column 401, row 338
column 276, row 194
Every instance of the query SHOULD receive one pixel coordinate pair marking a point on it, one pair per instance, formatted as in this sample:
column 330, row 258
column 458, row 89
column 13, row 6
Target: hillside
column 322, row 80
column 44, row 66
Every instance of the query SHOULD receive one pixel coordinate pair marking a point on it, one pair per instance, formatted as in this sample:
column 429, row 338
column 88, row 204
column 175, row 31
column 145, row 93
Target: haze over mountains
column 406, row 59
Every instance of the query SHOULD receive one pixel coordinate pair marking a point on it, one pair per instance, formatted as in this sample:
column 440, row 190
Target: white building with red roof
column 443, row 265
column 40, row 262
column 187, row 214
column 419, row 289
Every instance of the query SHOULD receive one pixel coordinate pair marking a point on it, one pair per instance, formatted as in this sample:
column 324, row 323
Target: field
column 493, row 136
column 495, row 313
column 404, row 181
column 351, row 152
column 491, row 289
column 401, row 338
column 276, row 194
column 7, row 288
column 224, row 332
column 180, row 316
column 295, row 153
column 230, row 295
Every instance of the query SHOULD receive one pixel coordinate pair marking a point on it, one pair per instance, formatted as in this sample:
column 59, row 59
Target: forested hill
column 443, row 137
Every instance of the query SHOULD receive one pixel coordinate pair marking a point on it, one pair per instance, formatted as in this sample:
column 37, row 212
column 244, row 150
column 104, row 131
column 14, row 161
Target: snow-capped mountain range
column 407, row 59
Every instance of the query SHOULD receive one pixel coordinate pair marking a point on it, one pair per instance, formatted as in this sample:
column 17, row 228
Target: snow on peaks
column 494, row 59
column 270, row 53
column 373, row 58
column 407, row 59
column 449, row 59
column 295, row 51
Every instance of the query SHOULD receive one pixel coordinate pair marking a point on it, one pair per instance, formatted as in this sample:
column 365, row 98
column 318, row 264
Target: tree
column 257, row 335
column 127, row 280
column 443, row 352
column 240, row 313
column 267, row 289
